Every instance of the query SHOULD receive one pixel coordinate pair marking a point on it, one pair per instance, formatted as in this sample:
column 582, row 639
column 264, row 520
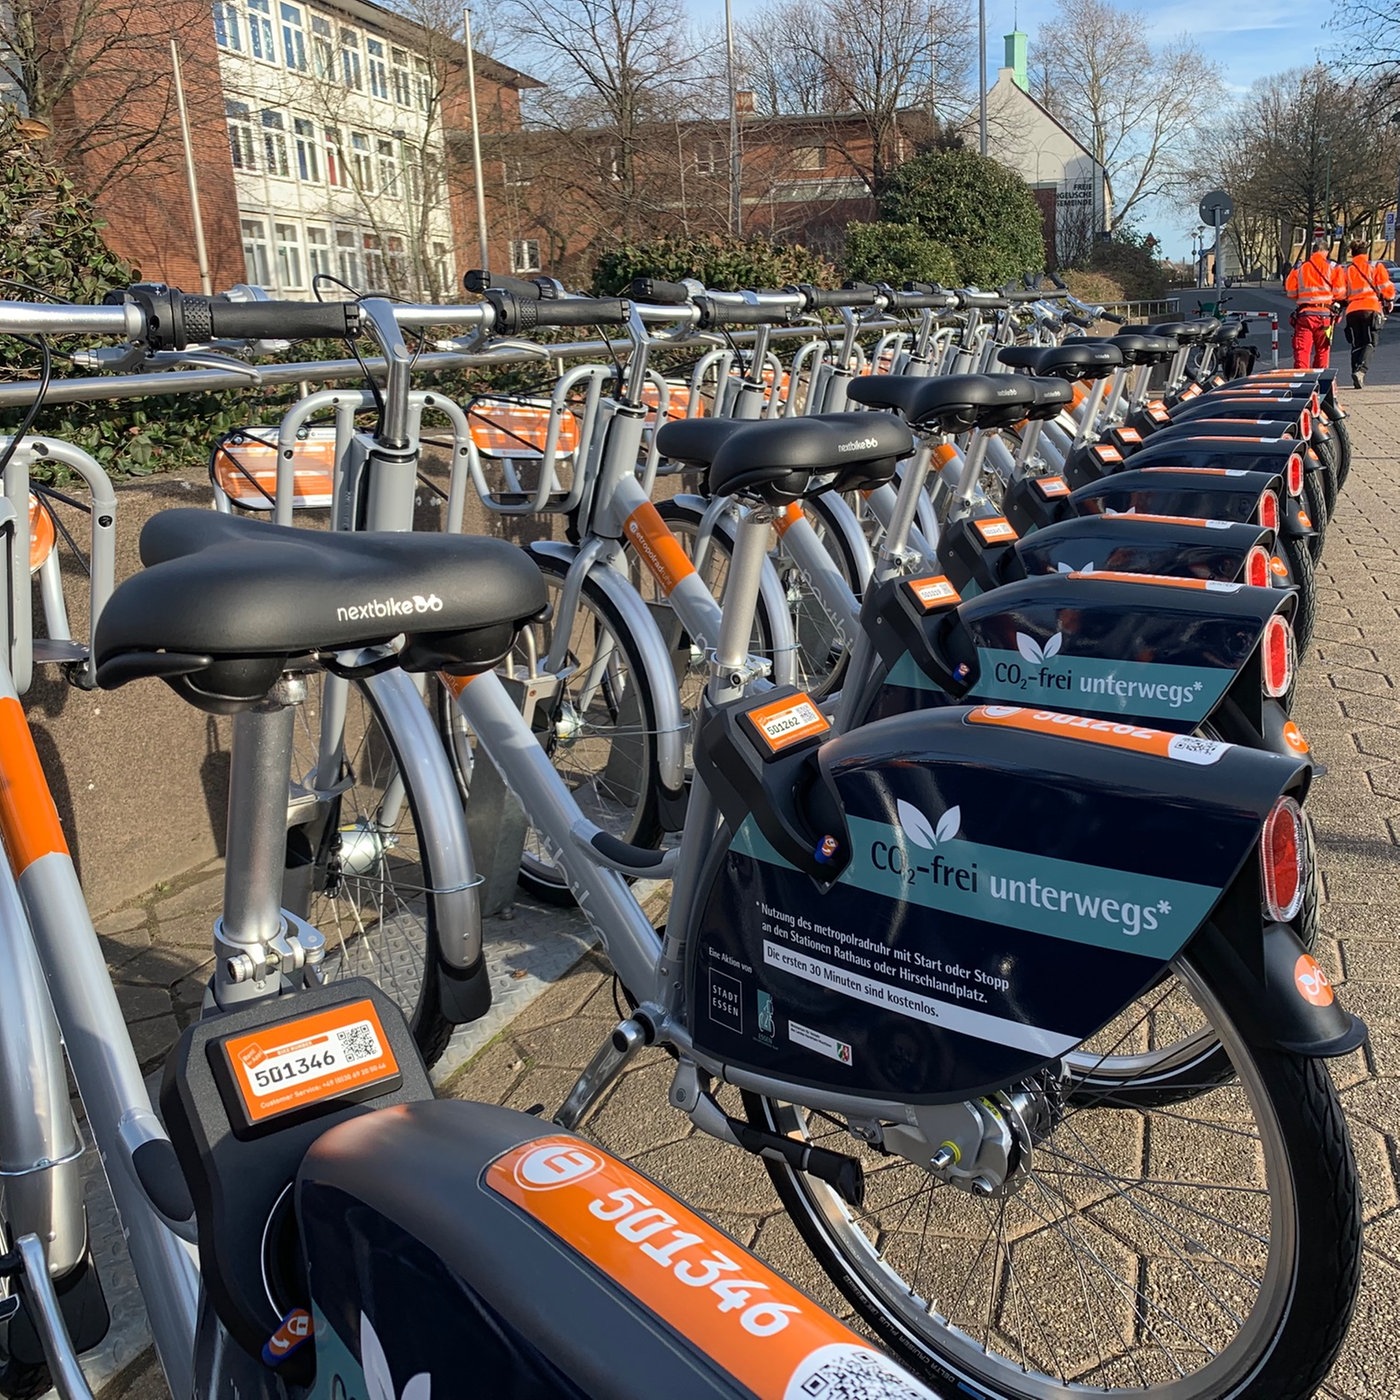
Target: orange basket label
column 783, row 723
column 772, row 1339
column 996, row 530
column 933, row 593
column 277, row 1069
column 662, row 553
column 1108, row 454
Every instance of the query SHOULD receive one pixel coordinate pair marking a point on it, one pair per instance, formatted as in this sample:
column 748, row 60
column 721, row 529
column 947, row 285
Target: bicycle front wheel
column 359, row 871
column 1209, row 1251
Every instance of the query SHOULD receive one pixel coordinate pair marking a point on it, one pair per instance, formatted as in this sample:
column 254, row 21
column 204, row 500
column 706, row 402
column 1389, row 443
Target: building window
column 350, row 71
column 322, row 52
column 412, row 174
column 396, row 256
column 388, row 168
column 709, row 159
column 376, row 279
column 423, row 83
column 228, row 28
column 275, row 143
column 255, row 252
column 308, row 159
column 378, row 70
column 403, row 91
column 288, row 257
column 335, row 160
column 260, row 30
column 442, row 268
column 347, row 250
column 293, row 38
column 519, row 171
column 240, row 135
column 525, row 255
column 318, row 250
column 610, row 163
column 809, row 157
column 363, row 171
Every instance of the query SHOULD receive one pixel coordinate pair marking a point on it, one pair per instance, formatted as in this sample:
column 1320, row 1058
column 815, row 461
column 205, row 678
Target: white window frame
column 387, row 168
column 352, row 72
column 308, row 149
column 320, row 256
column 361, row 163
column 274, row 141
column 322, row 47
column 349, row 257
column 378, row 65
column 524, row 255
column 243, row 150
column 257, row 257
column 337, row 175
column 228, row 26
column 376, row 268
column 293, row 36
column 401, row 78
column 424, row 84
column 287, row 247
column 262, row 43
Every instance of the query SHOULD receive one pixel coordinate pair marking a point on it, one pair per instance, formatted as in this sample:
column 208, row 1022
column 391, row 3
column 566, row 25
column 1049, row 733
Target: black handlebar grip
column 212, row 318
column 744, row 313
column 1017, row 294
column 478, row 280
column 821, row 299
column 657, row 292
column 515, row 314
column 1114, row 319
column 1057, row 280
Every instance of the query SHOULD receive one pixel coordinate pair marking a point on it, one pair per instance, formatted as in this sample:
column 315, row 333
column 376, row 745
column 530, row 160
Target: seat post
column 255, row 848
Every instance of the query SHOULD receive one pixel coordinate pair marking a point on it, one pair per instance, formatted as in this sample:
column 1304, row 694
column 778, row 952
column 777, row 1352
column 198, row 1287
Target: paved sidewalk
column 1349, row 706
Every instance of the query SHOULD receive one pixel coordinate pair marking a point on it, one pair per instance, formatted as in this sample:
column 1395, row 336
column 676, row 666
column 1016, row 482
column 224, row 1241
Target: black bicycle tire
column 1325, row 1218
column 1315, row 503
column 1303, row 574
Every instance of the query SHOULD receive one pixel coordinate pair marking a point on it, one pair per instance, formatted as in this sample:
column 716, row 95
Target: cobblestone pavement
column 1349, row 706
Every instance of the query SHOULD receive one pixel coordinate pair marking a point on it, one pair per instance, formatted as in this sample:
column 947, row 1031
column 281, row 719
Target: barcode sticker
column 294, row 1064
column 1051, row 486
column 935, row 592
column 788, row 721
column 996, row 530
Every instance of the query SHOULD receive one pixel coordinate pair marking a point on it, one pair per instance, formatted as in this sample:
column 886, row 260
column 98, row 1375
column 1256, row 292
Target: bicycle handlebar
column 657, row 292
column 1113, row 318
column 851, row 295
column 515, row 314
column 175, row 320
column 479, row 281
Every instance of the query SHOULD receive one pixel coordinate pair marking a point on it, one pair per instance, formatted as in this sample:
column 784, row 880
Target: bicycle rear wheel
column 1209, row 1255
column 360, row 872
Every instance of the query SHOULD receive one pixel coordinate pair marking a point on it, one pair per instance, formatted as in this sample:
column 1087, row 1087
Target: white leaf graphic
column 379, row 1384
column 1029, row 648
column 948, row 824
column 1063, row 568
column 916, row 825
column 1087, row 569
column 1052, row 647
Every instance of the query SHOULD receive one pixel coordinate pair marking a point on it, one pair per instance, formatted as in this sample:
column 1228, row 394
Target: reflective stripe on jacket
column 1315, row 284
column 1366, row 284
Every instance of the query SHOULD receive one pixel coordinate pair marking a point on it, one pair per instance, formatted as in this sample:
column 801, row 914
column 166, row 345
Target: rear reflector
column 1283, row 860
column 1268, row 512
column 1294, row 474
column 1277, row 655
column 1256, row 567
column 1305, row 425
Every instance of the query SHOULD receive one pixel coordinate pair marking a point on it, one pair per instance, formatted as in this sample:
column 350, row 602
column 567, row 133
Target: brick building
column 320, row 146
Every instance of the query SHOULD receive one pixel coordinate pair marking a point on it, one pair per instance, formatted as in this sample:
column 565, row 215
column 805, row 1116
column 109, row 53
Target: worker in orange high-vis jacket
column 1316, row 285
column 1369, row 296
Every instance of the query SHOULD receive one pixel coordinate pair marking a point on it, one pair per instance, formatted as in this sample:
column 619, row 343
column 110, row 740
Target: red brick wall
column 498, row 110
column 124, row 147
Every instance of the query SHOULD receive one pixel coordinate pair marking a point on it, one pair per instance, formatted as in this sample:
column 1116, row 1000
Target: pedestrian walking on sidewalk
column 1316, row 285
column 1369, row 296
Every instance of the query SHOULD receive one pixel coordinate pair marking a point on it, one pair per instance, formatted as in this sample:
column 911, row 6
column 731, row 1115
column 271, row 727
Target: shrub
column 725, row 264
column 896, row 253
column 1093, row 287
column 983, row 214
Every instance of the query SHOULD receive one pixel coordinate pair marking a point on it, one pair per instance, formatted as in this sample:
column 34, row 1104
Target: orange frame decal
column 657, row 548
column 29, row 824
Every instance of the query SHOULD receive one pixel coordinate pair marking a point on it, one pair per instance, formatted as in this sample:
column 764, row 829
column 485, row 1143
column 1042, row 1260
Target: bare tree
column 1134, row 108
column 897, row 64
column 97, row 74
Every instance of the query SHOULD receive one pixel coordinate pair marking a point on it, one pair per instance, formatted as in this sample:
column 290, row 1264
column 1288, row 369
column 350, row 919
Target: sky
column 1249, row 39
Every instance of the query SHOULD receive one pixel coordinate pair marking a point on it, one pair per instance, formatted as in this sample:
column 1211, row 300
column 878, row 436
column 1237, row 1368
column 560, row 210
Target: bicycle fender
column 1285, row 998
column 1003, row 882
column 670, row 723
column 1206, row 551
column 1227, row 493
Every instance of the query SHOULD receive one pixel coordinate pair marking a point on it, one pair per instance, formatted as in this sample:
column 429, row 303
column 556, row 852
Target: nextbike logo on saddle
column 859, row 446
column 378, row 609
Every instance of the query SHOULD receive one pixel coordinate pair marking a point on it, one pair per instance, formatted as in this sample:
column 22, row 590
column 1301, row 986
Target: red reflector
column 1314, row 403
column 1283, row 857
column 1305, row 424
column 1277, row 655
column 1256, row 567
column 1268, row 513
column 1294, row 474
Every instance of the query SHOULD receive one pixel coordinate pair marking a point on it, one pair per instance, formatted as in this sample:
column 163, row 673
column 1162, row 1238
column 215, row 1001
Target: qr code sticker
column 845, row 1372
column 358, row 1042
column 1187, row 749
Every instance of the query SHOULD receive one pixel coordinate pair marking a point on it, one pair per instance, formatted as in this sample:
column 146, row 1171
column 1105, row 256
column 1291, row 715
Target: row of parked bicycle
column 950, row 693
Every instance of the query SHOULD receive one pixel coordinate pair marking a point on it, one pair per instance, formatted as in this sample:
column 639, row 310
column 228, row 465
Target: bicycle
column 298, row 1111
